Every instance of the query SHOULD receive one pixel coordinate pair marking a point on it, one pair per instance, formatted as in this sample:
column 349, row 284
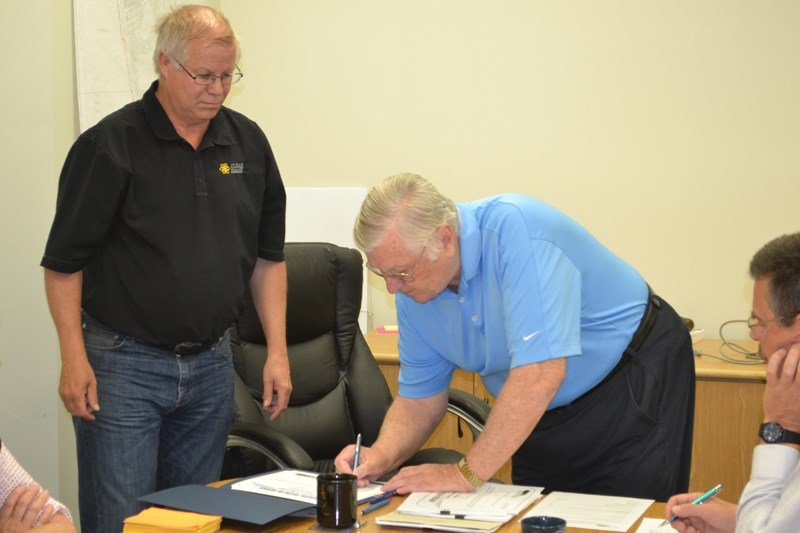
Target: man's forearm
column 268, row 287
column 63, row 293
column 518, row 408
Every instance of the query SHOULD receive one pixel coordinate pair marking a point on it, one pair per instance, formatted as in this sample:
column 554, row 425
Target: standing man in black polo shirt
column 167, row 210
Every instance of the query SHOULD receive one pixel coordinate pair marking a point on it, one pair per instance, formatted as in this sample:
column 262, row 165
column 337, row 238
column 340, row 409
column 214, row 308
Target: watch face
column 771, row 432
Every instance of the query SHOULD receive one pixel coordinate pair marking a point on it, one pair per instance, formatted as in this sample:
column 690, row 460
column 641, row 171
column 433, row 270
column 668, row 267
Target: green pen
column 710, row 493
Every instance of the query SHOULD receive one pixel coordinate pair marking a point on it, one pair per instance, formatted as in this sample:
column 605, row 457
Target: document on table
column 493, row 502
column 297, row 485
column 458, row 525
column 590, row 511
column 653, row 525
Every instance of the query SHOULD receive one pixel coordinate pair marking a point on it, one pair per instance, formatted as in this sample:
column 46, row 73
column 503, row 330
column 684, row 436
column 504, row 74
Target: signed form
column 493, row 502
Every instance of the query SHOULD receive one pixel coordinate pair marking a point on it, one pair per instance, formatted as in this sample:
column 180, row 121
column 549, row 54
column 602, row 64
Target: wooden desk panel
column 728, row 411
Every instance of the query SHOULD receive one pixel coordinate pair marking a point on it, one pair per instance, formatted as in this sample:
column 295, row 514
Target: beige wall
column 670, row 129
column 38, row 127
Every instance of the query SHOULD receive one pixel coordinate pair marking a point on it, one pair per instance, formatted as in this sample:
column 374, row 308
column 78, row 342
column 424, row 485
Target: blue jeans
column 163, row 422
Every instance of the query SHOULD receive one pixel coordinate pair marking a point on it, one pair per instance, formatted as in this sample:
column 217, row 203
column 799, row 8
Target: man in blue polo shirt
column 592, row 373
column 168, row 210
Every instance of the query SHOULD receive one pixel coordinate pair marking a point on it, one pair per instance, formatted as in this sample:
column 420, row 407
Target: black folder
column 225, row 502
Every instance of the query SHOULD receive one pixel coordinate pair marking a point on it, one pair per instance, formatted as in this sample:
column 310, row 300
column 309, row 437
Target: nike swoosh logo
column 526, row 338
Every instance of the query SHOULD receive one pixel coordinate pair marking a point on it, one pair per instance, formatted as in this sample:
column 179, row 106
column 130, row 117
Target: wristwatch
column 471, row 477
column 772, row 432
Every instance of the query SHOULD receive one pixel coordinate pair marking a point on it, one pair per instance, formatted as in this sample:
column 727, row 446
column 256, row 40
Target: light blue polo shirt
column 535, row 285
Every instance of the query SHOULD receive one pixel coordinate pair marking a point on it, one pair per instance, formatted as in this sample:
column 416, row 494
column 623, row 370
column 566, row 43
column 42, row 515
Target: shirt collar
column 470, row 242
column 218, row 132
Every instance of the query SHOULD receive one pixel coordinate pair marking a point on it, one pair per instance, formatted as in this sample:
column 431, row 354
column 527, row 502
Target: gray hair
column 779, row 261
column 186, row 23
column 411, row 206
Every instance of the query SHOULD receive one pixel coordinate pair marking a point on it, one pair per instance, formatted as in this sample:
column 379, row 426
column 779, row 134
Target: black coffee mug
column 543, row 524
column 336, row 500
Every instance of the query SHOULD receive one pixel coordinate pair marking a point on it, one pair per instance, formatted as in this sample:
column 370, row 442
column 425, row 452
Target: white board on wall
column 326, row 214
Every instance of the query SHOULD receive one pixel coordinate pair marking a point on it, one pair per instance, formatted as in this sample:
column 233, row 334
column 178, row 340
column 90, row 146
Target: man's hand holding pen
column 695, row 512
column 361, row 458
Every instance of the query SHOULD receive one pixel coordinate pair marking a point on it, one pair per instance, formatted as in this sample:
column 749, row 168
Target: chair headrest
column 324, row 293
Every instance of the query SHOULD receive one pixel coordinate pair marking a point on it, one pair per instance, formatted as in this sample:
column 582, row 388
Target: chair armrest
column 472, row 410
column 279, row 448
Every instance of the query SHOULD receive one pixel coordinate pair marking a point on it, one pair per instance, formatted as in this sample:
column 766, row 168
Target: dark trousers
column 631, row 436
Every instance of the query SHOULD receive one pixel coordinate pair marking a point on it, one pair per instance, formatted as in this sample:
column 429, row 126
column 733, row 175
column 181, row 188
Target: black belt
column 637, row 341
column 184, row 349
column 647, row 323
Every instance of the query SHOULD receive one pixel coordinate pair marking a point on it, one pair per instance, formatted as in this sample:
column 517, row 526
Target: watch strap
column 471, row 477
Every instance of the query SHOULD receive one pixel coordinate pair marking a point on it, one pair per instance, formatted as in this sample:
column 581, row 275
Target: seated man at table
column 771, row 499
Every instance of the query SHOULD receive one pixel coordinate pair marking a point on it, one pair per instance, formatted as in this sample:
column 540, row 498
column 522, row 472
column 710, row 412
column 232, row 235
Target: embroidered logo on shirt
column 232, row 168
column 528, row 337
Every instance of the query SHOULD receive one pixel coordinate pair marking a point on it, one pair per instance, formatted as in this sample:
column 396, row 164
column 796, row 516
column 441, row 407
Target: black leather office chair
column 338, row 389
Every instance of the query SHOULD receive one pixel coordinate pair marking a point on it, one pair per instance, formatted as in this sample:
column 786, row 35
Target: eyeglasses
column 228, row 78
column 406, row 276
column 755, row 322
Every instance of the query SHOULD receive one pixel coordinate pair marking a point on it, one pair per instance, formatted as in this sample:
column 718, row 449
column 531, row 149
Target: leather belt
column 185, row 349
column 647, row 322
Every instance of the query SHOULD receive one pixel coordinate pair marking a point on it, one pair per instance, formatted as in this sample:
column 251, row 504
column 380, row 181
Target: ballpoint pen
column 710, row 493
column 383, row 497
column 374, row 506
column 357, row 455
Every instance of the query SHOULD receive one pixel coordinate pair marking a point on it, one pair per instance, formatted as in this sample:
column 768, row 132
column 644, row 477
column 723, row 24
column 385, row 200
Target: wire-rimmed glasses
column 757, row 325
column 227, row 78
column 406, row 276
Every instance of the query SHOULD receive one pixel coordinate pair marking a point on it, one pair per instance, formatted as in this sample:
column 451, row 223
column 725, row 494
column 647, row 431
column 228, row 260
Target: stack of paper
column 457, row 525
column 157, row 520
column 485, row 509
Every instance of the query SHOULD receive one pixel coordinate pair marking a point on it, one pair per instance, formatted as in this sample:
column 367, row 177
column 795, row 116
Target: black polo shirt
column 166, row 236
